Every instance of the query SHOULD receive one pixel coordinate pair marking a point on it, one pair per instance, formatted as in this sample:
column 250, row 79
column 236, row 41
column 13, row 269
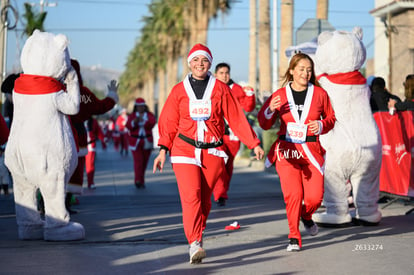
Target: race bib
column 296, row 133
column 200, row 109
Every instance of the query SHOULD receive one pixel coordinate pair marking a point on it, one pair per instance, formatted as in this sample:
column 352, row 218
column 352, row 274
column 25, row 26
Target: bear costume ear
column 358, row 32
column 61, row 41
column 323, row 37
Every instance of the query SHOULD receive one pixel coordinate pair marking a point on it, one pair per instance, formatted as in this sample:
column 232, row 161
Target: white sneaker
column 293, row 246
column 197, row 253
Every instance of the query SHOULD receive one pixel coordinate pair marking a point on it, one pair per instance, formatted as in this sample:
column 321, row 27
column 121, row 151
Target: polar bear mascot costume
column 353, row 146
column 41, row 152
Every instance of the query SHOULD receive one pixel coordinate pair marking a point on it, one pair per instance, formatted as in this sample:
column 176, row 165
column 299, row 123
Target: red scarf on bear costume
column 351, row 78
column 37, row 85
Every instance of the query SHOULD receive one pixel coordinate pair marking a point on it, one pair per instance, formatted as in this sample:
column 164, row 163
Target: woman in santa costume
column 121, row 121
column 191, row 128
column 95, row 133
column 89, row 105
column 140, row 124
column 247, row 100
column 305, row 112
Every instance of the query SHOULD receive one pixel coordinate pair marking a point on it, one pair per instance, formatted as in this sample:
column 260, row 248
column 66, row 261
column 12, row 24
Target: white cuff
column 268, row 114
column 320, row 127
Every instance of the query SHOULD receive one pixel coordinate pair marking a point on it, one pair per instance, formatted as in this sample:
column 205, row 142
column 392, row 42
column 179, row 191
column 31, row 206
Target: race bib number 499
column 296, row 133
column 200, row 110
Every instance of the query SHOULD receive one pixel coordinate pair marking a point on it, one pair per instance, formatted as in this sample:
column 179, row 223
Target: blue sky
column 103, row 32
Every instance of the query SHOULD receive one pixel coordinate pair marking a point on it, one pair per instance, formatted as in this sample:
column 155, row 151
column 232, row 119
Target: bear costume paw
column 30, row 232
column 72, row 231
column 332, row 220
column 368, row 220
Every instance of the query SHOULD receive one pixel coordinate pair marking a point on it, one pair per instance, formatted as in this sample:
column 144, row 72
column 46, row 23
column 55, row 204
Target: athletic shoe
column 92, row 186
column 293, row 245
column 197, row 253
column 310, row 227
column 221, row 202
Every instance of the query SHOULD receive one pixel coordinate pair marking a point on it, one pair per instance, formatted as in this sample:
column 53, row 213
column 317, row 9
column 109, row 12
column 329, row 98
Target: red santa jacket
column 90, row 105
column 141, row 132
column 175, row 121
column 4, row 131
column 120, row 122
column 317, row 106
column 248, row 102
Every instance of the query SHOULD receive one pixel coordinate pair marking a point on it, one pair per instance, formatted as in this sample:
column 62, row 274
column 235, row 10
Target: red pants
column 140, row 157
column 124, row 142
column 300, row 181
column 90, row 167
column 76, row 180
column 195, row 185
column 223, row 183
column 117, row 142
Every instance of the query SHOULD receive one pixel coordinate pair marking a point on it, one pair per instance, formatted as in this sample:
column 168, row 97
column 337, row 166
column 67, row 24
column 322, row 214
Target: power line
column 106, row 2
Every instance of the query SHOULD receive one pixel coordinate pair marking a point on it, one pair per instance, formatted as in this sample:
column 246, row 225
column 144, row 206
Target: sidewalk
column 139, row 231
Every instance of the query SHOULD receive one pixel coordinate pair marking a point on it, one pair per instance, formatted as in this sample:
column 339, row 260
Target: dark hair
column 378, row 82
column 8, row 84
column 76, row 66
column 409, row 87
column 293, row 63
column 221, row 65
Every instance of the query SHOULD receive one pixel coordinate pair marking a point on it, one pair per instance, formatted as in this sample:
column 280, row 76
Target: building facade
column 394, row 42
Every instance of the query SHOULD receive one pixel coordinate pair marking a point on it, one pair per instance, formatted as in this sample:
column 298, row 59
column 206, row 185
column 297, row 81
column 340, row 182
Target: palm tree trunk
column 286, row 33
column 265, row 75
column 322, row 9
column 253, row 45
column 162, row 92
column 150, row 93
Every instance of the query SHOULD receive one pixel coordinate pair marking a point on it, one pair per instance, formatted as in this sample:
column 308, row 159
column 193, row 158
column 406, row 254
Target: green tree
column 33, row 20
column 170, row 29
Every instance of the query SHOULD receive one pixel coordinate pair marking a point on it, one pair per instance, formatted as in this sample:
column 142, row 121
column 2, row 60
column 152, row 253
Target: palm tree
column 265, row 75
column 286, row 33
column 253, row 45
column 165, row 39
column 33, row 20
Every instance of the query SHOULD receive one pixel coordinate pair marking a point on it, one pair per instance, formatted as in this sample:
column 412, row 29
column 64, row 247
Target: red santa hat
column 200, row 49
column 139, row 101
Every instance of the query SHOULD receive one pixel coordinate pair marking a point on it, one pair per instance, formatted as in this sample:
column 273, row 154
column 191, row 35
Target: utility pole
column 389, row 29
column 275, row 78
column 3, row 39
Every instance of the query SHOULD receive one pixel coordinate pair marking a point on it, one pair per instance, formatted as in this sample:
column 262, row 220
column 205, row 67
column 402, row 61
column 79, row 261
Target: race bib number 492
column 200, row 110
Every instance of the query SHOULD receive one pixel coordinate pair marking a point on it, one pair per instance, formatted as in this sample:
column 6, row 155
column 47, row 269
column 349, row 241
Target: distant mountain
column 96, row 78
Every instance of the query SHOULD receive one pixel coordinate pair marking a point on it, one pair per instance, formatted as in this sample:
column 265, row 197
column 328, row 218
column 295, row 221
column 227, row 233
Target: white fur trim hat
column 200, row 49
column 139, row 101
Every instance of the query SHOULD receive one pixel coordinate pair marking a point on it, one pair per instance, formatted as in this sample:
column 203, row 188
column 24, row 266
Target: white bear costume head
column 353, row 146
column 339, row 52
column 46, row 54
